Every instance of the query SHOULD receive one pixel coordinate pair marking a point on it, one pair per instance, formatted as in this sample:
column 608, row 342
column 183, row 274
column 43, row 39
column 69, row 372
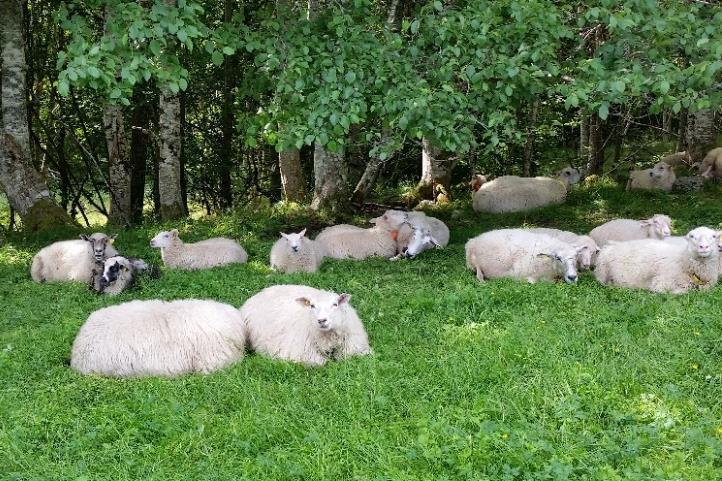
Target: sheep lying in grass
column 659, row 177
column 403, row 223
column 118, row 274
column 570, row 175
column 658, row 226
column 208, row 253
column 158, row 338
column 520, row 254
column 351, row 242
column 476, row 182
column 586, row 256
column 661, row 266
column 296, row 253
column 421, row 239
column 72, row 260
column 677, row 159
column 303, row 324
column 516, row 194
column 711, row 165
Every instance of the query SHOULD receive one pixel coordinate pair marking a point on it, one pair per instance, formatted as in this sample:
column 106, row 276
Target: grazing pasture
column 499, row 381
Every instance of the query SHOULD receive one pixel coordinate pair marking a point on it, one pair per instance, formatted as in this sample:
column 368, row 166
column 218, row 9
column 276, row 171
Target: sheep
column 205, row 254
column 656, row 227
column 304, row 325
column 72, row 260
column 516, row 194
column 677, row 159
column 517, row 253
column 159, row 338
column 659, row 177
column 662, row 266
column 570, row 175
column 586, row 256
column 403, row 224
column 118, row 274
column 477, row 181
column 690, row 183
column 351, row 242
column 421, row 239
column 711, row 165
column 296, row 253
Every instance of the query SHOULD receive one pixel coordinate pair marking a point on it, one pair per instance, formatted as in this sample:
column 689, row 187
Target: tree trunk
column 292, row 180
column 368, row 179
column 667, row 124
column 169, row 163
column 701, row 134
column 595, row 164
column 331, row 179
column 529, row 144
column 584, row 136
column 26, row 189
column 682, row 132
column 119, row 169
column 434, row 170
column 227, row 120
column 138, row 156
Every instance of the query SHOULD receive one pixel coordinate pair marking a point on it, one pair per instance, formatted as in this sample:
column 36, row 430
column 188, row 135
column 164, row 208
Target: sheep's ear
column 645, row 223
column 139, row 264
column 581, row 249
column 343, row 299
column 304, row 301
column 285, row 236
column 303, row 232
column 111, row 239
column 435, row 242
column 550, row 255
column 84, row 237
column 174, row 232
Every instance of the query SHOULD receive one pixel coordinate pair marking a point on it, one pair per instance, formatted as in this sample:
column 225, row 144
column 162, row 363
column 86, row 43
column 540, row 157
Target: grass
column 500, row 381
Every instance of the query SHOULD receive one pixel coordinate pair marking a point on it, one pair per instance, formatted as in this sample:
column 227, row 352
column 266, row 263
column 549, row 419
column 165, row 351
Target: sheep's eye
column 335, row 304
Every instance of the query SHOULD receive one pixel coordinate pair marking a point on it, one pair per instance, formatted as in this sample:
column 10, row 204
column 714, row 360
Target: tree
column 701, row 134
column 26, row 189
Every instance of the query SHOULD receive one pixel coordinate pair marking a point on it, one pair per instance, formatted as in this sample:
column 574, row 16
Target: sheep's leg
column 479, row 274
column 531, row 280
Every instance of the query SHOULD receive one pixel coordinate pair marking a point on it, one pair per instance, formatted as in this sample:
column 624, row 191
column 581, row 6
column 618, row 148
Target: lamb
column 520, row 254
column 516, row 194
column 304, row 325
column 661, row 266
column 659, row 177
column 72, row 260
column 351, row 242
column 296, row 253
column 404, row 222
column 570, row 175
column 656, row 227
column 677, row 159
column 205, row 254
column 118, row 274
column 711, row 165
column 159, row 338
column 586, row 256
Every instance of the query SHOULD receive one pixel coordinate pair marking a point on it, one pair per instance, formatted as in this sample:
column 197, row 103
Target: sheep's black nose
column 295, row 249
column 322, row 321
column 572, row 278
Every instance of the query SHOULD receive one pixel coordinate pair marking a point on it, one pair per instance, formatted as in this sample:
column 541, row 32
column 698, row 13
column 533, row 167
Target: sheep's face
column 565, row 262
column 294, row 241
column 585, row 257
column 703, row 242
column 327, row 313
column 570, row 176
column 421, row 240
column 659, row 226
column 391, row 219
column 113, row 269
column 660, row 171
column 99, row 242
column 164, row 239
column 476, row 182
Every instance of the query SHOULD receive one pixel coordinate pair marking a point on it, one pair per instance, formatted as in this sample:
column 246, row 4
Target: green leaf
column 229, row 50
column 664, row 86
column 115, row 93
column 155, row 47
column 604, row 110
column 63, row 88
column 350, row 77
column 438, row 5
column 415, row 26
column 183, row 84
column 217, row 57
column 676, row 107
column 619, row 86
column 93, row 71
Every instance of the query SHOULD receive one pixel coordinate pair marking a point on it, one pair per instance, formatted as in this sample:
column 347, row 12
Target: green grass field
column 500, row 381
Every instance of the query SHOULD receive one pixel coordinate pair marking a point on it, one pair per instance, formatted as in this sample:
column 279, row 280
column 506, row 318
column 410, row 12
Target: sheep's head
column 703, row 242
column 165, row 239
column 328, row 313
column 421, row 240
column 294, row 241
column 570, row 176
column 99, row 242
column 565, row 261
column 661, row 171
column 477, row 181
column 658, row 226
column 586, row 257
column 119, row 272
column 391, row 219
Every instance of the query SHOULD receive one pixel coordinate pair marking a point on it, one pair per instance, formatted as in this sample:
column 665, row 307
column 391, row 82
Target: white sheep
column 660, row 177
column 217, row 251
column 351, row 242
column 711, row 165
column 72, row 260
column 658, row 226
column 296, row 253
column 586, row 256
column 304, row 325
column 510, row 193
column 662, row 266
column 421, row 239
column 159, row 338
column 677, row 159
column 570, row 175
column 403, row 224
column 520, row 254
column 118, row 274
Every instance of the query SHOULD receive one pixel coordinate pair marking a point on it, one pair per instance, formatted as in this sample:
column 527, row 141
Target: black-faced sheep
column 119, row 273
